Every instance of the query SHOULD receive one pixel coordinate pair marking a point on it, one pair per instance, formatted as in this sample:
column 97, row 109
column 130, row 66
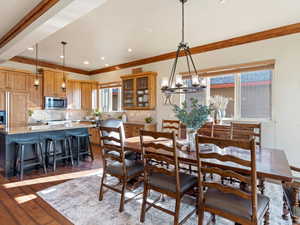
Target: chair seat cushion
column 235, row 205
column 134, row 167
column 168, row 183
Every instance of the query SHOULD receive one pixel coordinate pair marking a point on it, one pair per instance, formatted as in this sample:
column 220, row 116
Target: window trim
column 110, row 99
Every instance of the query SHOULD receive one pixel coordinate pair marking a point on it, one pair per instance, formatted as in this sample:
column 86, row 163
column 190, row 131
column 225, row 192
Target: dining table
column 270, row 163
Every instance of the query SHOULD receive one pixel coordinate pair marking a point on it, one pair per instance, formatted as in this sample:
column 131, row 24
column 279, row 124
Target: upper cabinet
column 53, row 81
column 13, row 81
column 74, row 94
column 89, row 95
column 139, row 91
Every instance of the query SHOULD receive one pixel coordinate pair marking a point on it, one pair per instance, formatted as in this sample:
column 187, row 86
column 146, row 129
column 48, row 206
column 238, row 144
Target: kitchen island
column 8, row 137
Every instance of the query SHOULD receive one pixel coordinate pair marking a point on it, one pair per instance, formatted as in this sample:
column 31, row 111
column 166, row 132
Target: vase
column 217, row 116
column 191, row 133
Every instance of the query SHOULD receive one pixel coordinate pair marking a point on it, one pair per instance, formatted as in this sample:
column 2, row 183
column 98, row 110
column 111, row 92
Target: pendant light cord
column 182, row 25
column 36, row 59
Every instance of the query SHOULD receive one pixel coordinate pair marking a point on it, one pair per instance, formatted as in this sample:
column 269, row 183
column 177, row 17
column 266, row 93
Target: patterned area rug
column 77, row 200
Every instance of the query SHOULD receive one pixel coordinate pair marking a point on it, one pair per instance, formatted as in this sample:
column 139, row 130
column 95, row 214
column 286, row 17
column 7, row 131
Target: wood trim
column 249, row 38
column 265, row 64
column 30, row 61
column 110, row 84
column 32, row 16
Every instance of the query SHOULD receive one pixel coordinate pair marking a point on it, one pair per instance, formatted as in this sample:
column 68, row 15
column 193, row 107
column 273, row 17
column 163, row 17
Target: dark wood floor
column 19, row 203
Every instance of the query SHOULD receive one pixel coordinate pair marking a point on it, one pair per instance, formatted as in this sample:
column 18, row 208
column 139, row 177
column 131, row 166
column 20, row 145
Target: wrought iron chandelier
column 175, row 84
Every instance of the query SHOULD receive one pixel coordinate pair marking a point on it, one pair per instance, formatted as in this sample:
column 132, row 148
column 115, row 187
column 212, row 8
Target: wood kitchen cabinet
column 18, row 107
column 74, row 94
column 35, row 97
column 2, row 100
column 132, row 129
column 139, row 91
column 86, row 96
column 13, row 81
column 53, row 81
column 3, row 79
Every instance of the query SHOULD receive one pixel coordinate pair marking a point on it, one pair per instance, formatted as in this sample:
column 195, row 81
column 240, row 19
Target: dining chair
column 167, row 181
column 246, row 131
column 291, row 197
column 226, row 200
column 115, row 163
column 206, row 129
column 171, row 125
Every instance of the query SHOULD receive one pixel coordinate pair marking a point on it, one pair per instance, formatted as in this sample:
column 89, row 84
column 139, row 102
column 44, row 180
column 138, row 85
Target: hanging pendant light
column 175, row 84
column 63, row 85
column 36, row 80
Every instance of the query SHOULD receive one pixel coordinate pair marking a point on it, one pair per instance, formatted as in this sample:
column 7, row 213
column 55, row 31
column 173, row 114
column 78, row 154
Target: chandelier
column 175, row 84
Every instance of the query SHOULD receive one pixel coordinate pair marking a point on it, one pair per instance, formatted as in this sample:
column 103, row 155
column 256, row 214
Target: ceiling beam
column 32, row 16
column 259, row 36
column 31, row 61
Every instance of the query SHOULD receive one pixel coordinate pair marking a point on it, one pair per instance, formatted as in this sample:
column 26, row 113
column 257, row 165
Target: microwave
column 55, row 103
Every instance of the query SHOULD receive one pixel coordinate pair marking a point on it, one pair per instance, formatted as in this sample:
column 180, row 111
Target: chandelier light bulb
column 195, row 80
column 164, row 82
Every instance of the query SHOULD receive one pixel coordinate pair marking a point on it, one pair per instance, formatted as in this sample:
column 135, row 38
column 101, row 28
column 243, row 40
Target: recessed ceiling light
column 86, row 62
column 129, row 50
column 106, row 65
column 102, row 58
column 30, row 48
column 61, row 56
column 222, row 1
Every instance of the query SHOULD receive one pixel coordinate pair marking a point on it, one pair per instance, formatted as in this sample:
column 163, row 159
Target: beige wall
column 283, row 131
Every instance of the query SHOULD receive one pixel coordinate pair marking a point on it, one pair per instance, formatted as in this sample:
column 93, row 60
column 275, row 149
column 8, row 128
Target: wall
column 283, row 131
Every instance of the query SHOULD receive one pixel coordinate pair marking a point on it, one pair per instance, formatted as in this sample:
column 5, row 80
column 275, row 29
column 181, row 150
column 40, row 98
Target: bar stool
column 55, row 153
column 87, row 149
column 21, row 163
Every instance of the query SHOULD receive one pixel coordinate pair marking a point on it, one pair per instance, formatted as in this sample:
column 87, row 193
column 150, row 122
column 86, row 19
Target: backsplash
column 46, row 115
column 132, row 115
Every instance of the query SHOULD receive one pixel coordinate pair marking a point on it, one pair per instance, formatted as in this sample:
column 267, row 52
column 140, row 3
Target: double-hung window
column 110, row 99
column 249, row 92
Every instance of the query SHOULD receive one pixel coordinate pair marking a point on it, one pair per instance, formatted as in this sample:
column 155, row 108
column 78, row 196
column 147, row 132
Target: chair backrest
column 161, row 148
column 114, row 123
column 206, row 129
column 171, row 125
column 112, row 145
column 248, row 146
column 246, row 131
column 215, row 130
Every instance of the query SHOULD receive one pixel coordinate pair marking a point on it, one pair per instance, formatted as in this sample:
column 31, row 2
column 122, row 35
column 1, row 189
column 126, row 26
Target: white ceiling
column 12, row 11
column 153, row 27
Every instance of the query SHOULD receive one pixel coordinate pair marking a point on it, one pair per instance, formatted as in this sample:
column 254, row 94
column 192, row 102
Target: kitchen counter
column 9, row 136
column 43, row 128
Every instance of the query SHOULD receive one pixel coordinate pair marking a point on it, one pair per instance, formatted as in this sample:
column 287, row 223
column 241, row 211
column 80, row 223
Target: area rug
column 77, row 200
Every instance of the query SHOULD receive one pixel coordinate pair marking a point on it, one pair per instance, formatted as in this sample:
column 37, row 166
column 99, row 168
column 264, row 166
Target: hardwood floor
column 19, row 203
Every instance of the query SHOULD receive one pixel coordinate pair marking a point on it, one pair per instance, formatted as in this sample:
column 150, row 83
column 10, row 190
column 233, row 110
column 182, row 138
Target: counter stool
column 21, row 163
column 53, row 151
column 86, row 150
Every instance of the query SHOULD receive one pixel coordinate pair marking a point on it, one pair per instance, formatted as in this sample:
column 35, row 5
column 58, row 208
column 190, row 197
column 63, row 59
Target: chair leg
column 267, row 217
column 22, row 162
column 143, row 210
column 122, row 202
column 42, row 162
column 101, row 186
column 16, row 162
column 70, row 151
column 90, row 147
column 54, row 155
column 177, row 211
column 78, row 150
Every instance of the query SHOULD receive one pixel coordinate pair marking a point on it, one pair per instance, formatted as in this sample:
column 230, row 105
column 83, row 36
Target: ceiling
column 151, row 28
column 13, row 11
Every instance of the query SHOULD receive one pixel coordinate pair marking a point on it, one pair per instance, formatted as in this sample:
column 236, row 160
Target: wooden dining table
column 270, row 163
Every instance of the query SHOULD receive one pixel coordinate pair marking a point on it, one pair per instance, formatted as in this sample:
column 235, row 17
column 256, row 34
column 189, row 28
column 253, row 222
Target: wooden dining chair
column 206, row 129
column 167, row 181
column 291, row 198
column 246, row 131
column 115, row 164
column 171, row 125
column 224, row 199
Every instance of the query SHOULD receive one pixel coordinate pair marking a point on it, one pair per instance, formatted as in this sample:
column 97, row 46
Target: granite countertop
column 138, row 123
column 44, row 128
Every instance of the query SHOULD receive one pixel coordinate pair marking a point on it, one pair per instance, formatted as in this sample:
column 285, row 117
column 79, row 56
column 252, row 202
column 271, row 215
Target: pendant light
column 175, row 84
column 63, row 85
column 36, row 80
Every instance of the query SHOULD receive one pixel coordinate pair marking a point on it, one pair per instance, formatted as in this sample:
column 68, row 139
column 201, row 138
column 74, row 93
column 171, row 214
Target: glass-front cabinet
column 139, row 91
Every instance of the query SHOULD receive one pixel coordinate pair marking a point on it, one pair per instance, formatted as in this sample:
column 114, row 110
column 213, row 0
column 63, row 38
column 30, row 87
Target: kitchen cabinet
column 86, row 96
column 132, row 129
column 74, row 94
column 3, row 79
column 35, row 98
column 139, row 91
column 18, row 107
column 52, row 83
column 13, row 81
column 2, row 100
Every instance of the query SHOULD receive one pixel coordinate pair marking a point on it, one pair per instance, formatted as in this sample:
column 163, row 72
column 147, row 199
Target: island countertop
column 44, row 128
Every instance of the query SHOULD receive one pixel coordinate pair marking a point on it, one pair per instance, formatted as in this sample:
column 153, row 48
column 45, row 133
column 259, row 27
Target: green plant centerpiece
column 148, row 119
column 193, row 117
column 97, row 114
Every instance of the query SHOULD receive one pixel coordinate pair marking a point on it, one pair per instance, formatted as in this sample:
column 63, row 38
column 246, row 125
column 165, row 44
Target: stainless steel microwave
column 55, row 103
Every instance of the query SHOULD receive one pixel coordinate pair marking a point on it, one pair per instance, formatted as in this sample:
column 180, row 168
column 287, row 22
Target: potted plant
column 148, row 119
column 97, row 114
column 193, row 117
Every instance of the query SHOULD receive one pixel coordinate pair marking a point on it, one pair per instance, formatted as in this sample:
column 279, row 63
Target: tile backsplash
column 46, row 115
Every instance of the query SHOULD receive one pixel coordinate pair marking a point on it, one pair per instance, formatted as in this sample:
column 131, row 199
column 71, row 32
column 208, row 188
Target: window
column 110, row 99
column 250, row 94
